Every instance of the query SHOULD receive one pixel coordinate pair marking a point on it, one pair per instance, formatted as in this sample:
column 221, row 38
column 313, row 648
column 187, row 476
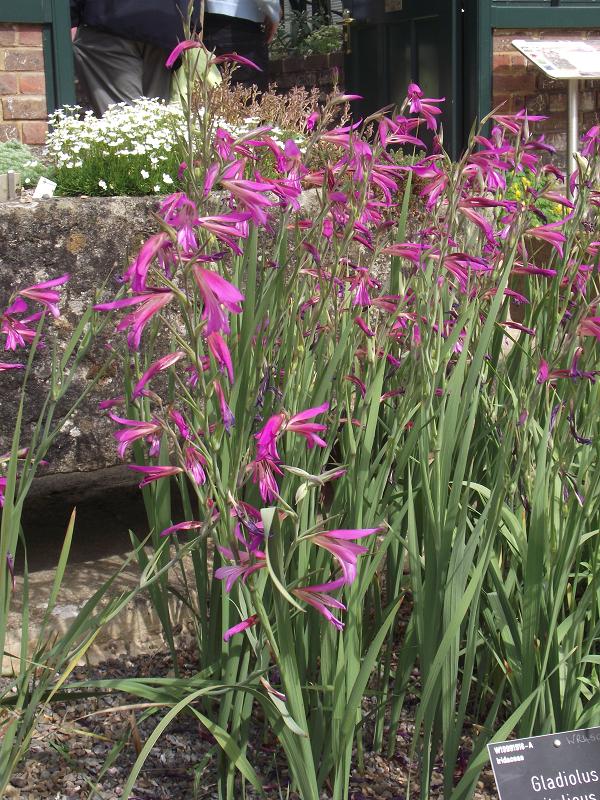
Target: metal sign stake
column 573, row 128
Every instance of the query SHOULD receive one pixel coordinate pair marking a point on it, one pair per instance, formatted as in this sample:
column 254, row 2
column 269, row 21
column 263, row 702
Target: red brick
column 518, row 60
column 24, row 60
column 8, row 83
column 500, row 60
column 557, row 102
column 587, row 101
column 17, row 107
column 33, row 83
column 8, row 35
column 8, row 131
column 507, row 84
column 35, row 132
column 31, row 36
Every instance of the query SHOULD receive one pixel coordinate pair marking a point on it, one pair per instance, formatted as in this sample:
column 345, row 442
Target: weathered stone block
column 93, row 239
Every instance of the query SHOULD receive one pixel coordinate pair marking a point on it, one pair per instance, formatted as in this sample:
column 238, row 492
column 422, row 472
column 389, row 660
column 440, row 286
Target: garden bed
column 74, row 740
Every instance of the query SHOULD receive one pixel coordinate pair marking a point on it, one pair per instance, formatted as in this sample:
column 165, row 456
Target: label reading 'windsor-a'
column 558, row 766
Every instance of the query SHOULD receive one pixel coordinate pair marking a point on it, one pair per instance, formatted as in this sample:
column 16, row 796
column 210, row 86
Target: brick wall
column 519, row 84
column 22, row 84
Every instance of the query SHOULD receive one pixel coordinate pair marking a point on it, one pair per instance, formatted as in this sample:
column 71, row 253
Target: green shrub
column 20, row 158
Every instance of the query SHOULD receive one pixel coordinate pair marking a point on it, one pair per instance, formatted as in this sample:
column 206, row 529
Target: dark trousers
column 232, row 35
column 114, row 70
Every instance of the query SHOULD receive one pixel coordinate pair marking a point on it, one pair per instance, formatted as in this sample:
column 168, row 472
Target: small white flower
column 145, row 174
column 167, row 178
column 156, row 188
column 102, row 184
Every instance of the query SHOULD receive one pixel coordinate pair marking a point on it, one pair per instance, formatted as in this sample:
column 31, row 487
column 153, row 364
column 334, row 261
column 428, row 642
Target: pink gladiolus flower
column 3, row 481
column 438, row 180
column 249, row 522
column 44, row 293
column 154, row 473
column 175, row 54
column 590, row 326
column 180, row 422
column 4, row 366
column 248, row 195
column 241, row 626
column 423, row 105
column 344, row 551
column 266, row 438
column 364, row 327
column 543, row 372
column 358, row 383
column 17, row 331
column 532, row 269
column 590, row 139
column 158, row 366
column 210, row 178
column 263, row 473
column 10, row 563
column 150, row 304
column 299, row 424
column 181, row 526
column 134, row 429
column 312, row 120
column 361, row 283
column 221, row 354
column 318, row 597
column 216, row 292
column 237, row 59
column 226, row 413
column 412, row 252
column 194, row 464
column 518, row 327
column 549, row 233
column 243, row 569
column 112, row 402
column 138, row 271
column 227, row 227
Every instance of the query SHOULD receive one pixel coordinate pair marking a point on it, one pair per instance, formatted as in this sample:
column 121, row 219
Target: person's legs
column 232, row 35
column 156, row 78
column 109, row 68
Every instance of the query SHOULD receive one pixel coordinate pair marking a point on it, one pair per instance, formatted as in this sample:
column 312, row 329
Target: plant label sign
column 558, row 766
column 563, row 58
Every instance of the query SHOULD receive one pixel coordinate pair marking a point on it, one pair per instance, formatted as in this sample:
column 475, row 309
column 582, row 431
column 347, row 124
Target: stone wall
column 519, row 84
column 22, row 84
column 93, row 239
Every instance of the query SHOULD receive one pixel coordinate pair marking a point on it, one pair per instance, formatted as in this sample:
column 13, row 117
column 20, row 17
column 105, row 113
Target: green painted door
column 394, row 42
column 54, row 16
column 446, row 47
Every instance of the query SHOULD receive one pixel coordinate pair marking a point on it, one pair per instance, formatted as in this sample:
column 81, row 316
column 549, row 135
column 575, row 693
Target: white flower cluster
column 130, row 144
column 145, row 128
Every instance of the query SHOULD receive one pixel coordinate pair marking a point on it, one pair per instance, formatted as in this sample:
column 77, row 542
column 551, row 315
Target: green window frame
column 519, row 14
column 55, row 18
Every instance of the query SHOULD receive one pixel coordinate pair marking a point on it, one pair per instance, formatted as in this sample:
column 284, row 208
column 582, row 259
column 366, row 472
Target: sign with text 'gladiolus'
column 558, row 766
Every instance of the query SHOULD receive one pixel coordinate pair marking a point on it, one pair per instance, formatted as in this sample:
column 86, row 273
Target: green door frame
column 55, row 18
column 493, row 14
